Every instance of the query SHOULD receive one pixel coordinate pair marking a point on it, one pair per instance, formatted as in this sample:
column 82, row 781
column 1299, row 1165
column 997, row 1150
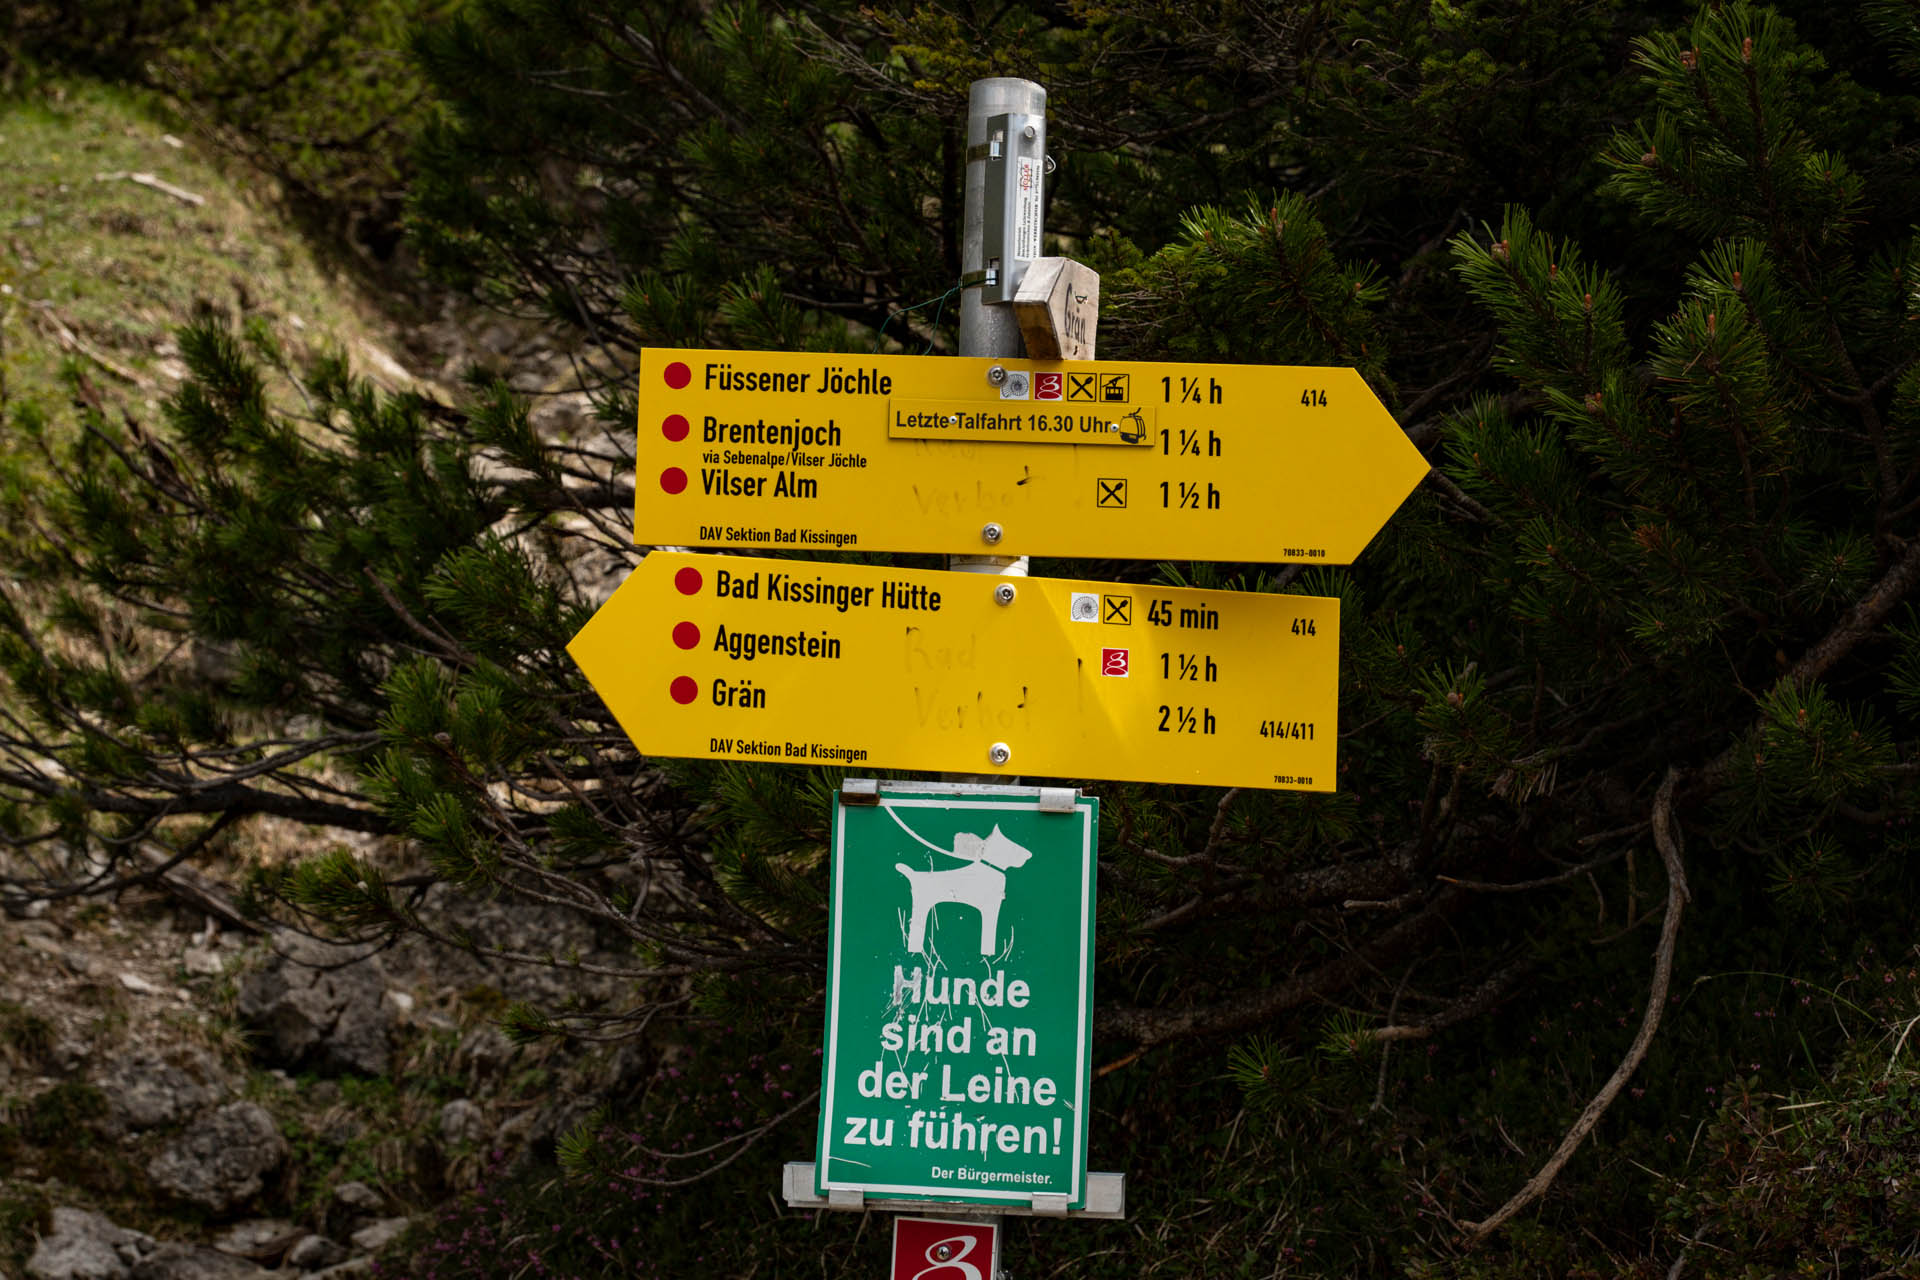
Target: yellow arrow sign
column 1128, row 460
column 787, row 661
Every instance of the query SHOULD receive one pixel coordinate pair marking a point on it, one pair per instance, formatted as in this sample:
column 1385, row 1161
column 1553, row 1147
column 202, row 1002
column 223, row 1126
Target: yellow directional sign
column 776, row 450
column 787, row 661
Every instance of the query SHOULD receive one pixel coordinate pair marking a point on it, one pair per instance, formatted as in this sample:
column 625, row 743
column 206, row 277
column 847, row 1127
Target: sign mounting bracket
column 1058, row 799
column 862, row 791
column 1016, row 151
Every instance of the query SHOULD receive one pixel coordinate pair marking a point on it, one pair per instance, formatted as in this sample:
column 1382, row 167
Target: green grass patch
column 24, row 1034
column 25, row 1213
column 100, row 260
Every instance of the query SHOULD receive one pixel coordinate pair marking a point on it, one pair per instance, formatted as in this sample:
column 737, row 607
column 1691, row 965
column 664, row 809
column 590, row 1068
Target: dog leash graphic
column 901, row 823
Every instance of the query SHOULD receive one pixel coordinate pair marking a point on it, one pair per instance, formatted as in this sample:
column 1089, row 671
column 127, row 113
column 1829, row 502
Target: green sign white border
column 857, row 793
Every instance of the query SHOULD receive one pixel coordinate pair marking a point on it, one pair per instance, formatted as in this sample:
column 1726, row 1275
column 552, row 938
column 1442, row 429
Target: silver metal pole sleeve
column 988, row 329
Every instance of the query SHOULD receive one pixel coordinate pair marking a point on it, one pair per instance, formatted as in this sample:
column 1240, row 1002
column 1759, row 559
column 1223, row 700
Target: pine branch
column 223, row 798
column 1483, row 999
column 1665, row 838
column 1856, row 625
column 1149, row 1027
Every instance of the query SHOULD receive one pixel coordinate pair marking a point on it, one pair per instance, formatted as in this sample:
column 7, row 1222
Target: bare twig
column 1398, row 903
column 188, row 885
column 1151, row 1026
column 746, row 1142
column 1461, row 498
column 1859, row 621
column 181, row 194
column 1571, row 873
column 1481, row 999
column 1665, row 839
column 72, row 341
column 1386, row 1050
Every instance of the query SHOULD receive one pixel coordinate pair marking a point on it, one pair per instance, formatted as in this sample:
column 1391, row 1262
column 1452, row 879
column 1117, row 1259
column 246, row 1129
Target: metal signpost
column 788, row 451
column 959, row 996
column 742, row 658
column 960, row 976
column 1002, row 217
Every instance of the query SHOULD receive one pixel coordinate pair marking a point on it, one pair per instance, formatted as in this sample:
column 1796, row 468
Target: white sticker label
column 1085, row 607
column 1026, row 215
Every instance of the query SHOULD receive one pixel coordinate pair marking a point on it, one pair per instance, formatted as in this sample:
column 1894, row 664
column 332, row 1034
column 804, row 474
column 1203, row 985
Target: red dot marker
column 686, row 635
column 684, row 690
column 673, row 480
column 674, row 428
column 688, row 580
column 678, row 375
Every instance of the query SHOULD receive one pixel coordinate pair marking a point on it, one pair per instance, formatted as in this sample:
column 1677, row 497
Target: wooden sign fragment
column 1058, row 308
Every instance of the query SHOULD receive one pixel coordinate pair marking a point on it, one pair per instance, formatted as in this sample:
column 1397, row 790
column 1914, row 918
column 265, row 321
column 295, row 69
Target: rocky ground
column 187, row 1100
column 182, row 1094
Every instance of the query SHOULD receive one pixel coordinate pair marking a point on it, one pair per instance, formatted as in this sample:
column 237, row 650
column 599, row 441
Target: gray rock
column 354, row 1204
column 192, row 1262
column 332, row 1018
column 86, row 1246
column 76, row 960
column 140, row 986
column 223, row 1159
column 261, row 1239
column 145, row 1090
column 315, row 1252
column 354, row 1269
column 519, row 1130
column 71, row 1052
column 359, row 1197
column 462, row 1123
column 487, row 1051
column 202, row 962
column 378, row 1236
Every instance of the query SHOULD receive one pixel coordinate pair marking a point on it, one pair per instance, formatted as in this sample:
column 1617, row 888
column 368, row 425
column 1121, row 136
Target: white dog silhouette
column 981, row 884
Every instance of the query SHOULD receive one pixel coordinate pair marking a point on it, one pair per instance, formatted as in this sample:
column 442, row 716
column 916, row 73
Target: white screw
column 999, row 753
column 991, row 533
column 1003, row 594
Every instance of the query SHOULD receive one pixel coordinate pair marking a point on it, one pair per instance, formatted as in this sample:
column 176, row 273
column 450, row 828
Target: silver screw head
column 999, row 753
column 1003, row 594
column 996, row 375
column 1029, row 133
column 991, row 533
column 941, row 1252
